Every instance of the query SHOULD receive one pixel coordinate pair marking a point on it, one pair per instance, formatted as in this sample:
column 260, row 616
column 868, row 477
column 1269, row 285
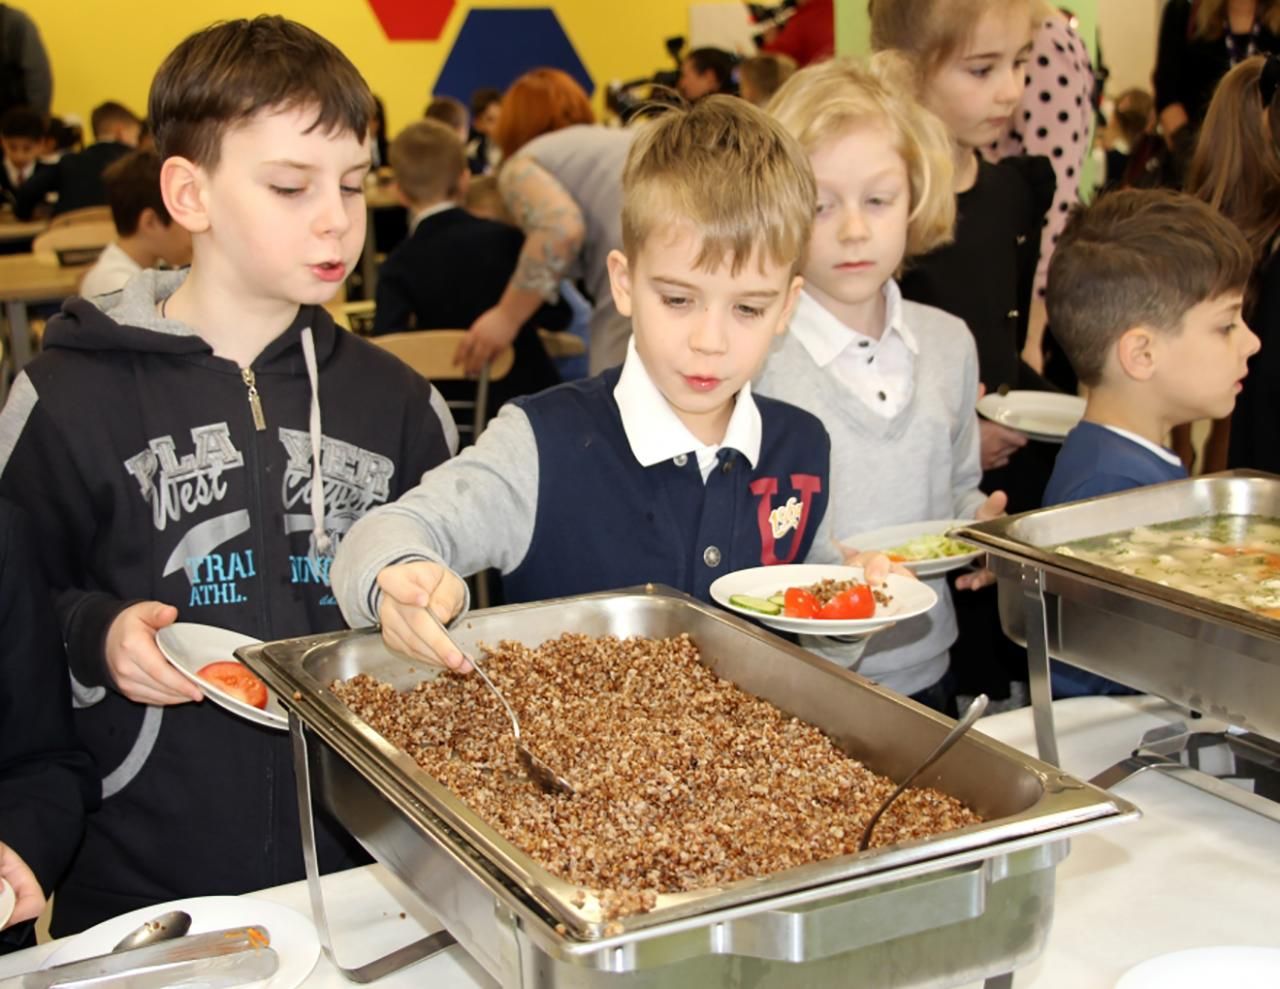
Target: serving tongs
column 547, row 779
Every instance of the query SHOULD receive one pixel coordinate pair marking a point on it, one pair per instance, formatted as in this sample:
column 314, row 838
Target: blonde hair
column 822, row 102
column 428, row 159
column 483, row 199
column 930, row 31
column 1236, row 164
column 731, row 171
column 765, row 73
column 1210, row 18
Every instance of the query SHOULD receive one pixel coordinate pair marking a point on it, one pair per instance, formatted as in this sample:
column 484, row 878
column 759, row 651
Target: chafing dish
column 1219, row 660
column 938, row 912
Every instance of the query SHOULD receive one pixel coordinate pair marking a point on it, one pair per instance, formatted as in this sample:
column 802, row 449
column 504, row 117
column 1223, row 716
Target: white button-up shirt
column 879, row 372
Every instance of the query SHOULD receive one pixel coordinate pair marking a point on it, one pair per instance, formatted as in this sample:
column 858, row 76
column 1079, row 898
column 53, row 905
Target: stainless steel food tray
column 1213, row 658
column 937, row 912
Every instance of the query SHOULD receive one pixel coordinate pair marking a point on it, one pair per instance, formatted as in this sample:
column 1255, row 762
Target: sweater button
column 711, row 556
column 680, row 459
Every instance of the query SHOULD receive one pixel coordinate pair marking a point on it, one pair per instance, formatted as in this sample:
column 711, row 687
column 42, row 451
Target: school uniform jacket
column 148, row 476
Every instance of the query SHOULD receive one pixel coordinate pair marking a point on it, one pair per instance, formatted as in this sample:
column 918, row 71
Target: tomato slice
column 237, row 680
column 799, row 603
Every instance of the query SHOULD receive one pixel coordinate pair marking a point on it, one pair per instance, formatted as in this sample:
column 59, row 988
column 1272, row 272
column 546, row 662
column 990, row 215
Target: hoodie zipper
column 255, row 402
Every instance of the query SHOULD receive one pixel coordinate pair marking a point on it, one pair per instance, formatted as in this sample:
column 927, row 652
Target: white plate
column 8, row 900
column 1042, row 415
column 895, row 535
column 292, row 935
column 1237, row 967
column 910, row 597
column 190, row 647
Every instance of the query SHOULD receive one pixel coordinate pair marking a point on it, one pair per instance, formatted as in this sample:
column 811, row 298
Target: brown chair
column 89, row 214
column 78, row 243
column 430, row 353
column 561, row 343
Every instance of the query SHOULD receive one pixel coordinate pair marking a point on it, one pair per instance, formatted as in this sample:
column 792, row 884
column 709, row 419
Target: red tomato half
column 857, row 602
column 237, row 680
column 799, row 603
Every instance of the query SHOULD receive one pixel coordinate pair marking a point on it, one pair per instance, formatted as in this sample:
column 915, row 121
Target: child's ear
column 789, row 306
column 464, row 183
column 401, row 198
column 1136, row 352
column 182, row 185
column 148, row 221
column 620, row 281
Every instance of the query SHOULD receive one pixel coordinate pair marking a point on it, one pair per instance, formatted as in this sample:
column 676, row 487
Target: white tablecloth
column 1195, row 871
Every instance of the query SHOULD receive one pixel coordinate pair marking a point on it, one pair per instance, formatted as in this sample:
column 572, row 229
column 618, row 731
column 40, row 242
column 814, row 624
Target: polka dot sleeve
column 1054, row 120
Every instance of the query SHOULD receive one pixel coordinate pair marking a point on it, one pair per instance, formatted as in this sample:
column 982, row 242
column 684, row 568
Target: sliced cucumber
column 779, row 599
column 762, row 605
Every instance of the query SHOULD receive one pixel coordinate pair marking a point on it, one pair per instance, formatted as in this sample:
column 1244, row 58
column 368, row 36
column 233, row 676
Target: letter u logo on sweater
column 776, row 522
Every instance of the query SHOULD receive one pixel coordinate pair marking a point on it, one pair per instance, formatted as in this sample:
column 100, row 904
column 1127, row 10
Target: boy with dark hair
column 1145, row 293
column 483, row 154
column 705, row 71
column 450, row 112
column 246, row 434
column 77, row 177
column 21, row 134
column 668, row 469
column 453, row 266
column 146, row 233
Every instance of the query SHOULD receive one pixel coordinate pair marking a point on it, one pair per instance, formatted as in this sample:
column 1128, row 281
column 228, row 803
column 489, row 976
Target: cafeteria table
column 1193, row 871
column 27, row 278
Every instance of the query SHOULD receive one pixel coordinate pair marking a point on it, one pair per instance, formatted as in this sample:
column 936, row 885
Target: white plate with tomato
column 923, row 547
column 793, row 598
column 205, row 655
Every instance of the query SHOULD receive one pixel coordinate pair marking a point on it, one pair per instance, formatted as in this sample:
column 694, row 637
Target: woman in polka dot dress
column 1053, row 120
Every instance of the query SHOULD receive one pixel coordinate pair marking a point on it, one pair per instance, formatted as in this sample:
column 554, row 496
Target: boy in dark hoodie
column 196, row 449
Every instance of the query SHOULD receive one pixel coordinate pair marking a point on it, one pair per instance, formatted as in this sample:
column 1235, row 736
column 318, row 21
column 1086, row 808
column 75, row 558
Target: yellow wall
column 109, row 49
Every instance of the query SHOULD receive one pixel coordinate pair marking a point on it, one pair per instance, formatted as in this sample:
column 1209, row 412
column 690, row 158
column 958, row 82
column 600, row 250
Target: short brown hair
column 1138, row 257
column 539, row 102
column 133, row 184
column 427, row 158
column 929, row 31
column 766, row 73
column 822, row 102
column 448, row 111
column 107, row 114
column 730, row 170
column 227, row 73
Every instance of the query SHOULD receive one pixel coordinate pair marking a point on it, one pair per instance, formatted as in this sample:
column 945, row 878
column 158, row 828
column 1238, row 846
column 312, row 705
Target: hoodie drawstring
column 323, row 544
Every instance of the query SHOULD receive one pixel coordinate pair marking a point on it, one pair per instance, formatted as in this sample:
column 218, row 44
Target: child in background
column 483, row 199
column 1236, row 169
column 893, row 381
column 483, row 154
column 450, row 112
column 453, row 266
column 663, row 470
column 1145, row 293
column 21, row 134
column 762, row 76
column 196, row 447
column 77, row 177
column 146, row 232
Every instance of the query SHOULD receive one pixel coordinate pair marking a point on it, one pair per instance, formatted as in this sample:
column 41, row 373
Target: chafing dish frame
column 337, row 754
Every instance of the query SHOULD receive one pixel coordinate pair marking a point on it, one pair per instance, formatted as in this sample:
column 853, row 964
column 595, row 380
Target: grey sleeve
column 824, row 548
column 966, row 465
column 470, row 513
column 37, row 77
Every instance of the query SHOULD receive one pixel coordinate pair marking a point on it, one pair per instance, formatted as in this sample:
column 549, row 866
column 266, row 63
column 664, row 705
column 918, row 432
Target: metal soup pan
column 1020, row 798
column 1218, row 659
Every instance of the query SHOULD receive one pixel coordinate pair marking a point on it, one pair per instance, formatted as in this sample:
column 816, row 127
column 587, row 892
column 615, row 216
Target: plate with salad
column 814, row 599
column 922, row 547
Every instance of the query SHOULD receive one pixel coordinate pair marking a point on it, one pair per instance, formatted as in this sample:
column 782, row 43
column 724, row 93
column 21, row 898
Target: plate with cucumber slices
column 923, row 547
column 792, row 598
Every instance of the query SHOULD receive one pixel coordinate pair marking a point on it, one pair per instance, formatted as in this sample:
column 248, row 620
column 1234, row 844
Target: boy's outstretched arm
column 470, row 513
column 554, row 230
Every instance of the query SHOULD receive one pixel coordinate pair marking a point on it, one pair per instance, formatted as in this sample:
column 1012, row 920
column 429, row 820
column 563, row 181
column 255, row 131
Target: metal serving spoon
column 547, row 778
column 977, row 707
column 166, row 927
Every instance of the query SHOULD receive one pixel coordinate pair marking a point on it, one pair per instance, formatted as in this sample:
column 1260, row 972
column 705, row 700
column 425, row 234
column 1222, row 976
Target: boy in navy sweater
column 667, row 469
column 1145, row 290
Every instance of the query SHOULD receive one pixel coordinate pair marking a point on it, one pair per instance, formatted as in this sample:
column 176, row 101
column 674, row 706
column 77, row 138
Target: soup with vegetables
column 1231, row 559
